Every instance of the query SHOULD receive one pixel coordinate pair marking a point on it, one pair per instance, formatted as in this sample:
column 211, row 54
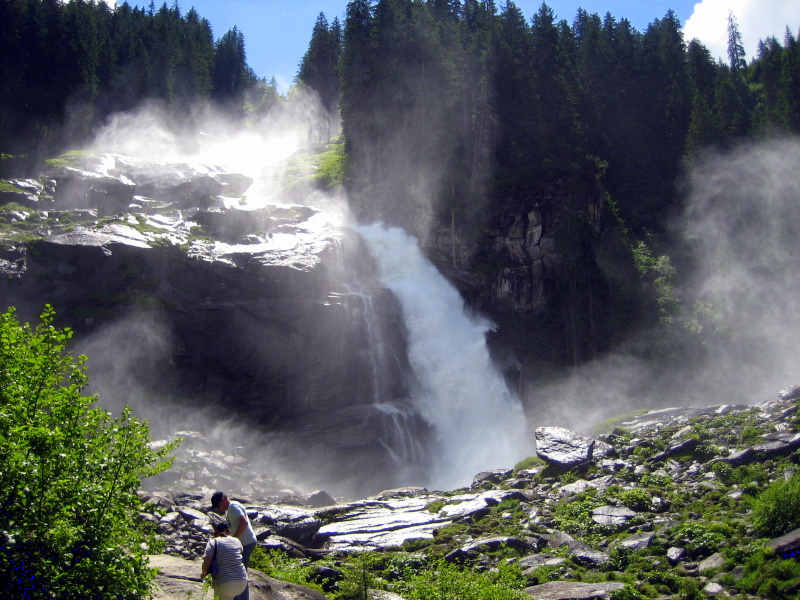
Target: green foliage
column 68, row 159
column 777, row 510
column 528, row 463
column 444, row 581
column 331, row 166
column 689, row 589
column 751, row 434
column 636, row 499
column 5, row 186
column 435, row 506
column 770, row 576
column 414, row 544
column 575, row 517
column 699, row 538
column 68, row 502
column 723, row 471
column 627, row 593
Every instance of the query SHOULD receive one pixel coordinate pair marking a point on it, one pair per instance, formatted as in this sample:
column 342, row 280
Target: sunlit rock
column 560, row 446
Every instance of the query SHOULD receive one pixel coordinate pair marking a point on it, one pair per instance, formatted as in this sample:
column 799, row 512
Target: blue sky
column 277, row 32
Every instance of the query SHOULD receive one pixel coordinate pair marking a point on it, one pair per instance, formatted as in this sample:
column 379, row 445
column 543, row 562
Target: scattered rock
column 572, row 590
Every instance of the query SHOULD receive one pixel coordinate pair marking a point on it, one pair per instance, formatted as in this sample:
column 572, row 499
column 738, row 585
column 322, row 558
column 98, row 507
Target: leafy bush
column 777, row 510
column 331, row 166
column 575, row 517
column 698, row 538
column 770, row 576
column 68, row 502
column 636, row 499
column 445, row 581
column 627, row 593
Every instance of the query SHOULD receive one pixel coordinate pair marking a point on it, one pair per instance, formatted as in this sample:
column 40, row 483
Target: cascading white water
column 478, row 423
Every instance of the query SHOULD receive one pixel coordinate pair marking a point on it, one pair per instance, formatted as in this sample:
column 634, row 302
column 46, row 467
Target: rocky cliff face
column 181, row 295
column 186, row 297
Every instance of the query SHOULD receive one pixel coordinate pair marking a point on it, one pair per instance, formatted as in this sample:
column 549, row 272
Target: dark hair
column 223, row 526
column 216, row 498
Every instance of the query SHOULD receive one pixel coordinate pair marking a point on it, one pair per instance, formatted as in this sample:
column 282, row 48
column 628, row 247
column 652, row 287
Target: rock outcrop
column 531, row 508
column 179, row 579
column 241, row 310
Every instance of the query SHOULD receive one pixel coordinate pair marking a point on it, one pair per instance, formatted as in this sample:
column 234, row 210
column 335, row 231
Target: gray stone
column 713, row 589
column 491, row 543
column 561, row 446
column 715, row 561
column 491, row 477
column 320, row 498
column 790, row 392
column 612, row 516
column 179, row 579
column 675, row 555
column 535, row 560
column 559, row 539
column 587, row 555
column 789, row 542
column 572, row 590
column 638, row 541
column 190, row 514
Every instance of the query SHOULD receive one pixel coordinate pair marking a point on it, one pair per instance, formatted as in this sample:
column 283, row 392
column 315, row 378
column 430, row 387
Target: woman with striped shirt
column 231, row 577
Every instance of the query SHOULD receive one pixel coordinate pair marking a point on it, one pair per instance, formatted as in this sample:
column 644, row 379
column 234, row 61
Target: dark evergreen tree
column 231, row 76
column 66, row 65
column 736, row 56
column 357, row 81
column 517, row 146
column 319, row 68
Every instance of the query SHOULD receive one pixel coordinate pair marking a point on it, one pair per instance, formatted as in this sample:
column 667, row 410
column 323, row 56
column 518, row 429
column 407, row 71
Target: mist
column 738, row 243
column 475, row 423
column 127, row 355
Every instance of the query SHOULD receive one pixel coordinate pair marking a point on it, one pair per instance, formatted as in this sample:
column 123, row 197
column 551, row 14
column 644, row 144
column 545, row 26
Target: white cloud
column 757, row 19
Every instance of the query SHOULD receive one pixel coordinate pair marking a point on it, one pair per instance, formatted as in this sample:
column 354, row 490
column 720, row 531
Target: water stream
column 477, row 422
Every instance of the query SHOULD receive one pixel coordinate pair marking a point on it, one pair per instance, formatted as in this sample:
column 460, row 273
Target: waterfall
column 478, row 423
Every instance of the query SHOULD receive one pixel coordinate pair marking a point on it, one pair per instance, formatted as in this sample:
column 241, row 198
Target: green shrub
column 332, row 165
column 699, row 538
column 528, row 463
column 689, row 589
column 445, row 581
column 627, row 593
column 636, row 499
column 723, row 471
column 71, row 472
column 575, row 517
column 777, row 510
column 435, row 507
column 770, row 576
column 415, row 544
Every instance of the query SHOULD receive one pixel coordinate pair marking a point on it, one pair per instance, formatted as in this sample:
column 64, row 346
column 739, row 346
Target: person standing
column 230, row 578
column 240, row 527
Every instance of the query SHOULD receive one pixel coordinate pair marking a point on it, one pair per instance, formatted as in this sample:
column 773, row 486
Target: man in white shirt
column 240, row 527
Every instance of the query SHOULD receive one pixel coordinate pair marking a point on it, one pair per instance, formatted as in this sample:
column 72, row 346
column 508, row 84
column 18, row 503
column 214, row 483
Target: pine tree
column 736, row 56
column 231, row 76
column 319, row 68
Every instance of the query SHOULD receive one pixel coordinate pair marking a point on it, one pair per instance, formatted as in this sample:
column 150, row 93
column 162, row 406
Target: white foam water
column 478, row 422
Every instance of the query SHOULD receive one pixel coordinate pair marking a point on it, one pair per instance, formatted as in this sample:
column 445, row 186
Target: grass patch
column 68, row 159
column 609, row 425
column 331, row 166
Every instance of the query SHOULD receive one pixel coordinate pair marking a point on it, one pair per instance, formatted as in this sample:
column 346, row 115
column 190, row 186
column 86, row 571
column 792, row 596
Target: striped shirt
column 229, row 559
